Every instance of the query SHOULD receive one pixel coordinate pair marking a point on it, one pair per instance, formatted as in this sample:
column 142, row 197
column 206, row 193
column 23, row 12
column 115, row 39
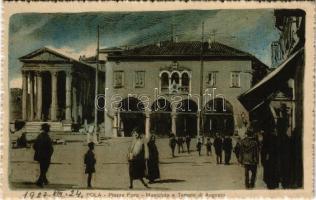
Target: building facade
column 276, row 102
column 56, row 89
column 158, row 88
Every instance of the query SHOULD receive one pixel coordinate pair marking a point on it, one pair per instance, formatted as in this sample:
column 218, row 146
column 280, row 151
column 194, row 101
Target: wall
column 152, row 70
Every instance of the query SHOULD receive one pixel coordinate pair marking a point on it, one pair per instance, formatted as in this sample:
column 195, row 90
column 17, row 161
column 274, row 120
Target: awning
column 259, row 93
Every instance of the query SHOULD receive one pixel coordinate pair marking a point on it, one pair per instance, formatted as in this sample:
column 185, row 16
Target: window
column 175, row 81
column 211, row 79
column 185, row 82
column 164, row 82
column 174, row 87
column 139, row 79
column 235, row 79
column 118, row 79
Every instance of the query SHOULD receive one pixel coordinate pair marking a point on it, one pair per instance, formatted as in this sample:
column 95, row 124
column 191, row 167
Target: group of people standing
column 179, row 141
column 220, row 144
column 143, row 156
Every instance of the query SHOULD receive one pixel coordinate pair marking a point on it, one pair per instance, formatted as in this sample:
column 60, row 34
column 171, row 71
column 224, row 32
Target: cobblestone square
column 184, row 172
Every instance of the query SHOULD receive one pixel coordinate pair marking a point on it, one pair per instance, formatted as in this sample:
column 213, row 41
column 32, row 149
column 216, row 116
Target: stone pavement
column 184, row 172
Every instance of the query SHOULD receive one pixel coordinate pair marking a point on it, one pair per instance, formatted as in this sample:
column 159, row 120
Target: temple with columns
column 57, row 89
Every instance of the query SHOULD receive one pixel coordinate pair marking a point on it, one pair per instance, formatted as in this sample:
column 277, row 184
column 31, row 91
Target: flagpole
column 96, row 89
column 201, row 84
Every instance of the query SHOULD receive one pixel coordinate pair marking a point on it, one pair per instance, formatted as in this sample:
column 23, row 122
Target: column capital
column 38, row 73
column 54, row 73
column 147, row 114
column 68, row 72
column 174, row 114
column 25, row 73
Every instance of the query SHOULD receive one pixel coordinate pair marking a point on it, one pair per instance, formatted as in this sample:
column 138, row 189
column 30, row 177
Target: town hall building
column 157, row 88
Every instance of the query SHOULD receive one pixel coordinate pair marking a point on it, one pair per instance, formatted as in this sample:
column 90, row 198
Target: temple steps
column 35, row 127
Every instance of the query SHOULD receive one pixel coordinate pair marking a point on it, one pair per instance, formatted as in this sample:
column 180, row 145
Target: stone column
column 198, row 124
column 173, row 123
column 169, row 85
column 68, row 96
column 118, row 123
column 24, row 95
column 39, row 95
column 74, row 105
column 31, row 96
column 147, row 125
column 114, row 125
column 54, row 103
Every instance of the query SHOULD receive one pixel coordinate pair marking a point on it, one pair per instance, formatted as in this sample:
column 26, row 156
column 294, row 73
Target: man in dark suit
column 227, row 146
column 249, row 157
column 43, row 147
column 218, row 146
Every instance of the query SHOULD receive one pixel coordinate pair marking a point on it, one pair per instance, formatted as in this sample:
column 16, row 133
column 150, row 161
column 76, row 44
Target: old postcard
column 158, row 100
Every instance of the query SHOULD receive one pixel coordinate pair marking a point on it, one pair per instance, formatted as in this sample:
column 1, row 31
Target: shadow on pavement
column 31, row 185
column 175, row 162
column 169, row 181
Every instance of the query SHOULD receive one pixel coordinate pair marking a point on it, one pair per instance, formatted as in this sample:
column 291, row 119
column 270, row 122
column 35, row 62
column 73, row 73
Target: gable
column 44, row 55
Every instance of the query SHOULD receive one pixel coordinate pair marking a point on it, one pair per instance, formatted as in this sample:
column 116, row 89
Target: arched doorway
column 218, row 117
column 187, row 118
column 132, row 116
column 160, row 119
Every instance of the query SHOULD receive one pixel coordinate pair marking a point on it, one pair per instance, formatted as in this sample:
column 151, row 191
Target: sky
column 76, row 33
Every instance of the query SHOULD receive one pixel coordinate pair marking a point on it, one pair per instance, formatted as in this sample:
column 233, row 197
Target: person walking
column 208, row 147
column 180, row 144
column 237, row 149
column 153, row 160
column 227, row 146
column 172, row 143
column 89, row 161
column 199, row 145
column 137, row 156
column 188, row 142
column 43, row 147
column 269, row 160
column 218, row 145
column 249, row 157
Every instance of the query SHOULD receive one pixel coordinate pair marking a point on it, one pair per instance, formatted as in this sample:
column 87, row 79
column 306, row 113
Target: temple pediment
column 46, row 55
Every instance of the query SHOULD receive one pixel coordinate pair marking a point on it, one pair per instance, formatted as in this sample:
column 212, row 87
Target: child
column 199, row 146
column 209, row 147
column 89, row 161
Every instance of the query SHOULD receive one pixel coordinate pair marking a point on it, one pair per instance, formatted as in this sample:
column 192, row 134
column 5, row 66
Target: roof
column 256, row 95
column 56, row 52
column 185, row 48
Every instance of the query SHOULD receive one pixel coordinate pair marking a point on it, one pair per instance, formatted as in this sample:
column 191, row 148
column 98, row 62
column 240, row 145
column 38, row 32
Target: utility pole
column 172, row 33
column 214, row 33
column 201, row 84
column 96, row 137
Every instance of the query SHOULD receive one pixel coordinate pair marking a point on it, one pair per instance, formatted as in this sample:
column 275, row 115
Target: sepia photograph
column 166, row 100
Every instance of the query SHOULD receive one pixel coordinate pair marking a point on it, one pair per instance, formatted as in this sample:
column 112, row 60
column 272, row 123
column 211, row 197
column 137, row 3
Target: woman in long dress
column 153, row 160
column 137, row 160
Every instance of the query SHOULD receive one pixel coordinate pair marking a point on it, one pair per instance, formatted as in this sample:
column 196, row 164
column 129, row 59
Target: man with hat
column 249, row 157
column 43, row 147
